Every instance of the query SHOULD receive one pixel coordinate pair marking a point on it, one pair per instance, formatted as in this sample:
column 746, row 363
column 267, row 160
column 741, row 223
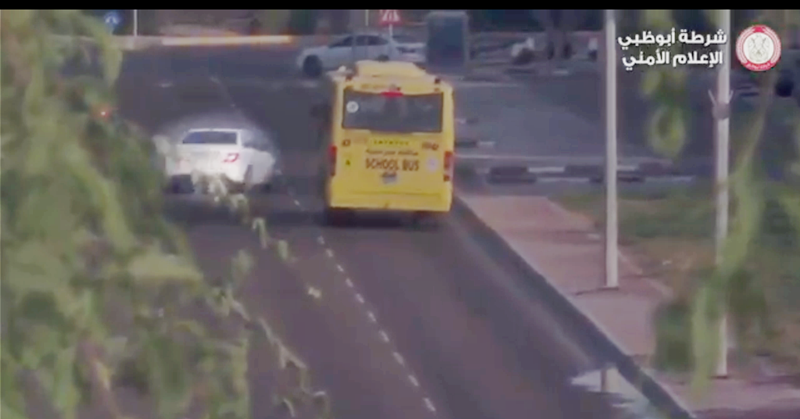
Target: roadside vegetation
column 758, row 279
column 101, row 298
column 669, row 235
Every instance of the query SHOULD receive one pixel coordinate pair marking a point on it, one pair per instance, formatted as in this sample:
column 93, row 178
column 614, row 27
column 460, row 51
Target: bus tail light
column 231, row 157
column 332, row 160
column 448, row 166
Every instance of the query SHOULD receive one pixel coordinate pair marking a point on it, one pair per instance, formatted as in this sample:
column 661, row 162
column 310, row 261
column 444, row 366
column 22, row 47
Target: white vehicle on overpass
column 225, row 146
column 348, row 49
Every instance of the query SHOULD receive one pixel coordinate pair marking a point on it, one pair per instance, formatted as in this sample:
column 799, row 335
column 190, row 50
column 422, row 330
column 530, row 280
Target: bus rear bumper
column 439, row 203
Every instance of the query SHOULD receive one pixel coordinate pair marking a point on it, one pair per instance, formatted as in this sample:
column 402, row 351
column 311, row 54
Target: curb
column 644, row 172
column 591, row 335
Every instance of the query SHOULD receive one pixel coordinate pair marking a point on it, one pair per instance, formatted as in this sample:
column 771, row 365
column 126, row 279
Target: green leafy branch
column 99, row 291
column 750, row 191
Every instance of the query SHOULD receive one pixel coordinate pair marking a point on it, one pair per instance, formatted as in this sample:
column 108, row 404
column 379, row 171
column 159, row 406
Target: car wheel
column 312, row 66
column 383, row 57
column 524, row 57
column 567, row 52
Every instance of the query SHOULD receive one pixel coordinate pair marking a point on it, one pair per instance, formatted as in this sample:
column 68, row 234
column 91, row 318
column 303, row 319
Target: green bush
column 97, row 285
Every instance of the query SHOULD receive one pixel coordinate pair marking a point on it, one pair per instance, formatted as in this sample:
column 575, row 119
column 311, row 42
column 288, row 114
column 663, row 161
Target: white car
column 364, row 46
column 225, row 146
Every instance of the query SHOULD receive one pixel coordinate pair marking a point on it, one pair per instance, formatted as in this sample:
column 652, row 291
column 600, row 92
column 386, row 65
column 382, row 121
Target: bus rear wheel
column 425, row 220
column 334, row 216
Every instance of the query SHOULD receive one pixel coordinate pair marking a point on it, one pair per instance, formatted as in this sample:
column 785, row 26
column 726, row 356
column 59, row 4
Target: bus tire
column 426, row 220
column 333, row 217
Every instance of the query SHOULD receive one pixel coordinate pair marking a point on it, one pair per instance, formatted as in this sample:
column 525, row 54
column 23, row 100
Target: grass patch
column 669, row 233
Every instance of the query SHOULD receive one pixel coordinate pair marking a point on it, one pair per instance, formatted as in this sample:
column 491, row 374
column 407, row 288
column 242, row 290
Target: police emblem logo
column 758, row 48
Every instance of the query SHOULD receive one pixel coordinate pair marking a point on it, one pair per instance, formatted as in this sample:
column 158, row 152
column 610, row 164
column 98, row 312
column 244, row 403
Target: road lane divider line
column 399, row 358
column 316, row 293
column 429, row 405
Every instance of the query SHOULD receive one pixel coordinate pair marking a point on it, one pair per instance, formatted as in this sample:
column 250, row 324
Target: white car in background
column 347, row 49
column 225, row 146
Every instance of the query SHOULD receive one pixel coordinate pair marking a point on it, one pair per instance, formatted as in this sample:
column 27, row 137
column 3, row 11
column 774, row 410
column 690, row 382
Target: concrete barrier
column 550, row 170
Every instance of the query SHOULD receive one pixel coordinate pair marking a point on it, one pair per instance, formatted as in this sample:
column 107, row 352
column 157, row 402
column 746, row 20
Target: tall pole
column 722, row 133
column 612, row 228
column 135, row 22
column 366, row 18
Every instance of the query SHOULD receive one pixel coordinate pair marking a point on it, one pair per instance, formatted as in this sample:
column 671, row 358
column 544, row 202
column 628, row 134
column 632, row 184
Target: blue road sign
column 112, row 19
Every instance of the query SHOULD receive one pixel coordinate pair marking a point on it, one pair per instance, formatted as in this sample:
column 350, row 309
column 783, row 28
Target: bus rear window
column 392, row 113
column 211, row 137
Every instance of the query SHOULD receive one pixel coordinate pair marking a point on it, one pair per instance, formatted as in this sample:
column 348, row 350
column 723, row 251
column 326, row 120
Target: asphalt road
column 581, row 95
column 410, row 323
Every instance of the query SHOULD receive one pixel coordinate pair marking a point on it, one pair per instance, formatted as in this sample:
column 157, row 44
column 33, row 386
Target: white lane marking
column 317, row 294
column 429, row 405
column 296, row 202
column 399, row 358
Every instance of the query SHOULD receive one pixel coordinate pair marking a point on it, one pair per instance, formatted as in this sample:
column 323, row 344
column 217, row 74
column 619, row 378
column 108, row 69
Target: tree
column 730, row 287
column 98, row 290
column 558, row 25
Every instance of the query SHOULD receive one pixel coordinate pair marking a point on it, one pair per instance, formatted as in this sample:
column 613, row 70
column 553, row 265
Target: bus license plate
column 389, row 178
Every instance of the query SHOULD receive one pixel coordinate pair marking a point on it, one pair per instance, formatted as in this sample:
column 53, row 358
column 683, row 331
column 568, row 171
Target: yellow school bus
column 388, row 133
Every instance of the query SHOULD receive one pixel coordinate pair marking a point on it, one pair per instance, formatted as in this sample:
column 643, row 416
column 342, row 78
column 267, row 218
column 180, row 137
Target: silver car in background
column 217, row 148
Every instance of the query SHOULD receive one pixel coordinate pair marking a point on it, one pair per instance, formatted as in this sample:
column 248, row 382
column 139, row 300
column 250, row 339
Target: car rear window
column 211, row 137
column 401, row 114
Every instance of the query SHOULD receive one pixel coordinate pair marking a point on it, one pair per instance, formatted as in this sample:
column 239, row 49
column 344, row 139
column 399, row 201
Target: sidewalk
column 564, row 248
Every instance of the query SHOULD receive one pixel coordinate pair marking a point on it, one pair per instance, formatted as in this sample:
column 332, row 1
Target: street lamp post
column 722, row 133
column 612, row 227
